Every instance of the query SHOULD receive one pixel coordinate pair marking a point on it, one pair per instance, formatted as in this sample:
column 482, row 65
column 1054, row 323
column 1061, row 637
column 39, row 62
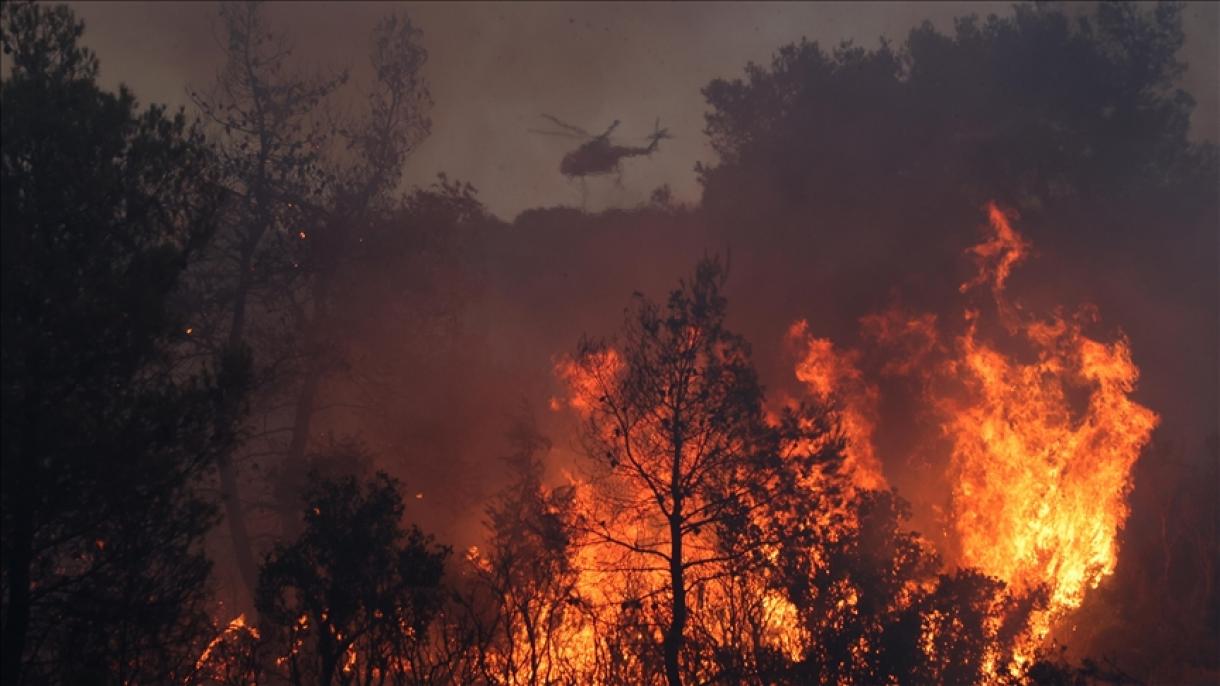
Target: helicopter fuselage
column 599, row 157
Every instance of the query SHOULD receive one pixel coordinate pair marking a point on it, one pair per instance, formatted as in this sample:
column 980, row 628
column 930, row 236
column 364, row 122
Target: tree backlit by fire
column 688, row 457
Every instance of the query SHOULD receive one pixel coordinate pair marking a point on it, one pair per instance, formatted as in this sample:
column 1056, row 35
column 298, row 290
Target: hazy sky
column 494, row 67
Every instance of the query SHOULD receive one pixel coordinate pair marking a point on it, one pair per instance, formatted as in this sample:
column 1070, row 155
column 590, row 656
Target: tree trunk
column 294, row 459
column 293, row 477
column 329, row 651
column 235, row 515
column 677, row 581
column 677, row 572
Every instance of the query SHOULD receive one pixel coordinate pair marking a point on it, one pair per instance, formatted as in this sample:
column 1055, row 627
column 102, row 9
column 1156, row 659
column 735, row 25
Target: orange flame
column 1039, row 490
column 832, row 377
column 1041, row 451
column 1006, row 249
column 235, row 626
column 586, row 381
column 1039, row 494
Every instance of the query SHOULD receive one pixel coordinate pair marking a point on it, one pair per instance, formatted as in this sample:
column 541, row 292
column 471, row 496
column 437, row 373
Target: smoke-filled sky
column 494, row 67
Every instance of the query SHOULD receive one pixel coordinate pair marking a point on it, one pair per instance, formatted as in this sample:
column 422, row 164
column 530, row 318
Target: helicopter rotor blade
column 563, row 125
column 558, row 134
column 658, row 133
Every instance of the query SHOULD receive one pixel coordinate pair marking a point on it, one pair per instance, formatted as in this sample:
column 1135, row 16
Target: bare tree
column 309, row 194
column 362, row 180
column 270, row 153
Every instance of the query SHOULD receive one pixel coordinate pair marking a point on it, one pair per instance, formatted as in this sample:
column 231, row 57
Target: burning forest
column 897, row 364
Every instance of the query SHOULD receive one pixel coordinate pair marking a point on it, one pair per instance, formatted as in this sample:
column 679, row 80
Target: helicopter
column 597, row 156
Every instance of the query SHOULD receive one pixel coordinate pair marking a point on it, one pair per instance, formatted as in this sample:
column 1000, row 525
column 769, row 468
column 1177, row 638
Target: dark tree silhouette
column 355, row 583
column 106, row 430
